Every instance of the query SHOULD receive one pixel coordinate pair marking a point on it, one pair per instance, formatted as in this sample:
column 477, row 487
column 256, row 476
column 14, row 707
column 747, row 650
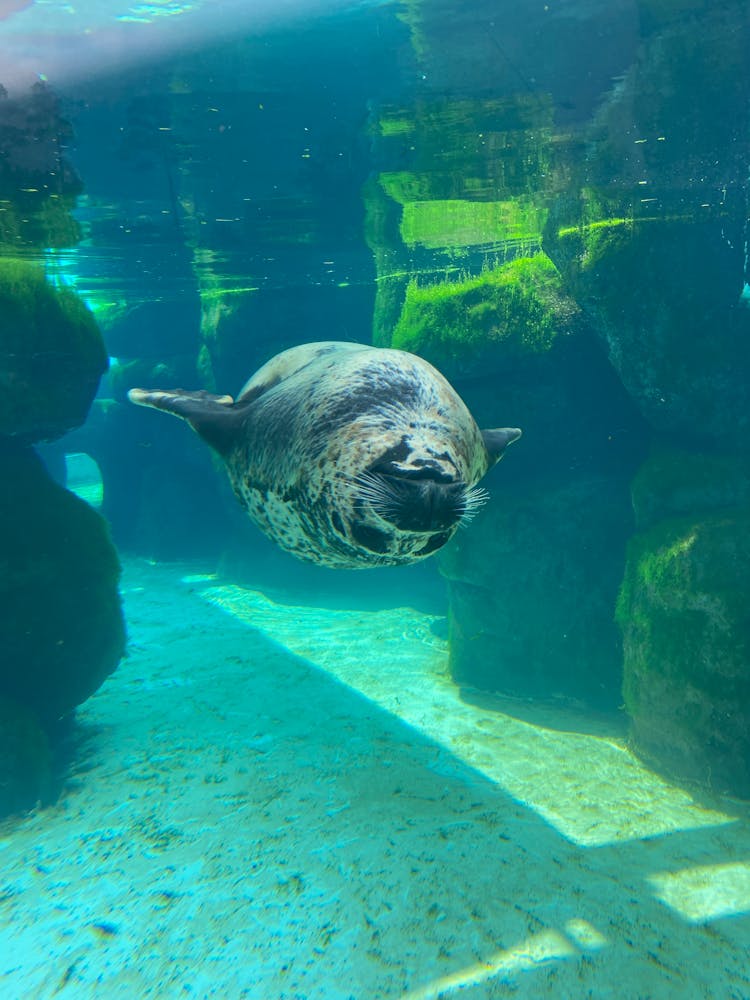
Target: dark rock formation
column 650, row 234
column 683, row 612
column 38, row 185
column 61, row 625
column 456, row 219
column 533, row 584
column 26, row 760
column 52, row 355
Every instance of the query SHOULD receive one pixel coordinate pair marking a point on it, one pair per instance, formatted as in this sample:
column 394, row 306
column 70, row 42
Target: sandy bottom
column 286, row 802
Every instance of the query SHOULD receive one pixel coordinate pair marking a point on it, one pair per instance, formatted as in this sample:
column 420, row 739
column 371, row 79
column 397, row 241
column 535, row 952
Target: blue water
column 519, row 767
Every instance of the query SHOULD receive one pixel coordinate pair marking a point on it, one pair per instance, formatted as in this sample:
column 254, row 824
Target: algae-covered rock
column 508, row 313
column 475, row 154
column 456, row 193
column 649, row 235
column 683, row 612
column 51, row 355
column 381, row 225
column 38, row 185
column 61, row 624
column 532, row 591
column 670, row 312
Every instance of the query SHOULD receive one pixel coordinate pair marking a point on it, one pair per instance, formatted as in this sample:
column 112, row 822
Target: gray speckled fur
column 317, row 416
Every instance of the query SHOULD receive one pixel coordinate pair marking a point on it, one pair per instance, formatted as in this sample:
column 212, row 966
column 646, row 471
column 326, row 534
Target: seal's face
column 405, row 481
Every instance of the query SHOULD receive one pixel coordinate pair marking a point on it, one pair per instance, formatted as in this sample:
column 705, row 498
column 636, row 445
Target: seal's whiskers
column 375, row 492
column 471, row 503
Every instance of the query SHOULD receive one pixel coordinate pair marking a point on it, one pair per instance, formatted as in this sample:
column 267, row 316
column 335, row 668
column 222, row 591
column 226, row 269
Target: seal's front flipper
column 214, row 418
column 497, row 440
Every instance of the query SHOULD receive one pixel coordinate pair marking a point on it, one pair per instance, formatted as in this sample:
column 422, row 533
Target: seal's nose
column 425, row 505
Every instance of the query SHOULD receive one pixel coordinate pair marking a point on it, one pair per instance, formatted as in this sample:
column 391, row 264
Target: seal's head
column 408, row 472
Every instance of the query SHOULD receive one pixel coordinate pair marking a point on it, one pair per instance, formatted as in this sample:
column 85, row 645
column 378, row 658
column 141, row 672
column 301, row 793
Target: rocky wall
column 572, row 254
column 61, row 624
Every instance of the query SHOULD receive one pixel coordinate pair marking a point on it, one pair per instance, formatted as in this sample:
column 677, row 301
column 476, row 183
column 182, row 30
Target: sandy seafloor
column 275, row 801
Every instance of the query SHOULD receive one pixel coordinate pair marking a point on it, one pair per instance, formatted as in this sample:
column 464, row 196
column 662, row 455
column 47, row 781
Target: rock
column 515, row 349
column 38, row 184
column 53, row 355
column 649, row 235
column 26, row 768
column 503, row 316
column 674, row 483
column 683, row 612
column 665, row 298
column 160, row 483
column 61, row 623
column 456, row 195
column 532, row 588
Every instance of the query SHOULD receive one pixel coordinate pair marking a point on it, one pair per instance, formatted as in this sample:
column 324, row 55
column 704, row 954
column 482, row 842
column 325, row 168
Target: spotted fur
column 307, row 440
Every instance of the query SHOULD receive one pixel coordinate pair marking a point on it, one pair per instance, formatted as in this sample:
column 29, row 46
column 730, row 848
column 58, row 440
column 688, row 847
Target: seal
column 347, row 455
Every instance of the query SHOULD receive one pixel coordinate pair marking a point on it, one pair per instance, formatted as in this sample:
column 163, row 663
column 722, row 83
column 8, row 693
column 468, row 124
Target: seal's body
column 346, row 455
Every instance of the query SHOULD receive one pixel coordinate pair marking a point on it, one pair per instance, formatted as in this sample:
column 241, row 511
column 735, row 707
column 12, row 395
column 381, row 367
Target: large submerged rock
column 683, row 612
column 52, row 354
column 649, row 235
column 61, row 625
column 533, row 585
column 26, row 759
column 686, row 634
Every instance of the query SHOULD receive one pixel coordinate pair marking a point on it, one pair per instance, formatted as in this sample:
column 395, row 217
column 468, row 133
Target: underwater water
column 427, row 723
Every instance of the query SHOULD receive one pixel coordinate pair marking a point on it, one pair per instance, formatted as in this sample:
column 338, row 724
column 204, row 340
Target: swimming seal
column 347, row 455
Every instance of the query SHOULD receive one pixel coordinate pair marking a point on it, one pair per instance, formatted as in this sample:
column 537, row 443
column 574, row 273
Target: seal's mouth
column 423, row 500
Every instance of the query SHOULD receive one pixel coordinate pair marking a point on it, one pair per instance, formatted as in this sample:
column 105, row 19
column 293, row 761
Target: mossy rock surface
column 38, row 185
column 670, row 314
column 683, row 612
column 51, row 355
column 61, row 625
column 457, row 191
column 506, row 314
column 533, row 585
column 653, row 245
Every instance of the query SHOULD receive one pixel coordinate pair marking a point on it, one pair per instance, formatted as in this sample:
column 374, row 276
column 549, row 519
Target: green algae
column 515, row 306
column 682, row 611
column 461, row 223
column 52, row 352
